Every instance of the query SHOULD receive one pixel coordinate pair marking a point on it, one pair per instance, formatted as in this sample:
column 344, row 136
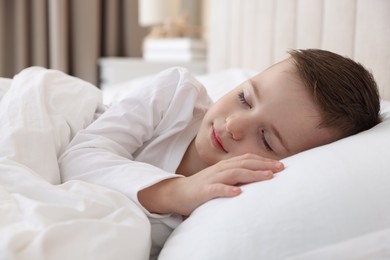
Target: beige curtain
column 68, row 35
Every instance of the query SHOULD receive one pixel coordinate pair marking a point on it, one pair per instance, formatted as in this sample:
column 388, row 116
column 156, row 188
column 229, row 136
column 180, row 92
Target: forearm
column 159, row 198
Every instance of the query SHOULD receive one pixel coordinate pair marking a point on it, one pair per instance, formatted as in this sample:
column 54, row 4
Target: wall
column 254, row 34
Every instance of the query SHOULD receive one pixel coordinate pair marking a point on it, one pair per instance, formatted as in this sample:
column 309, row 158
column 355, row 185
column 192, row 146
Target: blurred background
column 71, row 35
column 109, row 41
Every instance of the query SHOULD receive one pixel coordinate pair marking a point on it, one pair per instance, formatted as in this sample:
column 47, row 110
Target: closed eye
column 264, row 140
column 241, row 97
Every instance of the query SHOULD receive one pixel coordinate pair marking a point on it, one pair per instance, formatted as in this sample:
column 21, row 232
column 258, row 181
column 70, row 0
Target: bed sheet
column 41, row 110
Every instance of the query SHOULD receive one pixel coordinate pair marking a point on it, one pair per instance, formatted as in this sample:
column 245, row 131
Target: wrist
column 158, row 198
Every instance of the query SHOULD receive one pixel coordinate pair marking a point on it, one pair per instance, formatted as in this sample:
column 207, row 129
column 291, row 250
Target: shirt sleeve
column 103, row 153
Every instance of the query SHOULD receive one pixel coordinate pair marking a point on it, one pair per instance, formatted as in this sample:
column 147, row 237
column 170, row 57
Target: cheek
column 250, row 146
column 320, row 137
column 305, row 136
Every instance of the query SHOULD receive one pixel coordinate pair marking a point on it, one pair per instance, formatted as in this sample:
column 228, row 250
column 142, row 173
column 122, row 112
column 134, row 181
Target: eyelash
column 242, row 99
column 266, row 144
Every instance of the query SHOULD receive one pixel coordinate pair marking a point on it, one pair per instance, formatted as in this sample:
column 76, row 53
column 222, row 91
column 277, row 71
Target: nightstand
column 114, row 70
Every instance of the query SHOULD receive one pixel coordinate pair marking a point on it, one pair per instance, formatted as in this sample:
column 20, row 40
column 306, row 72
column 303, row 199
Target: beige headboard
column 254, row 34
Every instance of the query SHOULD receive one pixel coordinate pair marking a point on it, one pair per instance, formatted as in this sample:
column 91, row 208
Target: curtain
column 68, row 35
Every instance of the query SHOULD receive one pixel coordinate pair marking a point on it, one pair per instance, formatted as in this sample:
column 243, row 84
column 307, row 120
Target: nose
column 236, row 127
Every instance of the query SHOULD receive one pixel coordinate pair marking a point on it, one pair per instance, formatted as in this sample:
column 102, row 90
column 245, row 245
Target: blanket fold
column 41, row 218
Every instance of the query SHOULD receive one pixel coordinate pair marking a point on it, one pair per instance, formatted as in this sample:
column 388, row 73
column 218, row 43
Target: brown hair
column 345, row 91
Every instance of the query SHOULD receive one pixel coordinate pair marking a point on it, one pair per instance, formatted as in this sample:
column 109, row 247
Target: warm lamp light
column 172, row 37
column 170, row 18
column 157, row 12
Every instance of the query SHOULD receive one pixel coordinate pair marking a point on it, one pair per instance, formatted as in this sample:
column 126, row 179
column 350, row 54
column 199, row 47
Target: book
column 174, row 44
column 174, row 56
column 174, row 49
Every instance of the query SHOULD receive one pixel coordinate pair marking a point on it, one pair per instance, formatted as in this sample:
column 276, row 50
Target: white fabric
column 331, row 202
column 118, row 91
column 39, row 114
column 373, row 245
column 140, row 140
column 5, row 83
column 217, row 84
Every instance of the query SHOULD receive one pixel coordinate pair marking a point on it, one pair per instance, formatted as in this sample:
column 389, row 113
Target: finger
column 251, row 156
column 257, row 165
column 219, row 190
column 241, row 176
column 251, row 164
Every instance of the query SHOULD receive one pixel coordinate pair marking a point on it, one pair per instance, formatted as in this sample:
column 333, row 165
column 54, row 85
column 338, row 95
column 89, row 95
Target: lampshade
column 153, row 12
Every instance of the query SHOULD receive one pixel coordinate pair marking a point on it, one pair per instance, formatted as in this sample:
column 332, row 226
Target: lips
column 216, row 140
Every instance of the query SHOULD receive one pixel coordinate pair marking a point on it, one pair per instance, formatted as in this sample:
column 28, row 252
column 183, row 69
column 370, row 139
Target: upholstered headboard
column 254, row 34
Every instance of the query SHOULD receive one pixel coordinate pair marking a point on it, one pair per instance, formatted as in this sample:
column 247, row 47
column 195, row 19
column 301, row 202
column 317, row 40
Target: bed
column 331, row 202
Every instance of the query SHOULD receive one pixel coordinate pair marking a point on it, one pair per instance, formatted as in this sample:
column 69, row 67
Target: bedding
column 331, row 202
column 40, row 218
column 4, row 86
column 217, row 84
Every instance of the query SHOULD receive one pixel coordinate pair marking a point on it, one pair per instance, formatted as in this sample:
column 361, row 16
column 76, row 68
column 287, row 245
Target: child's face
column 272, row 115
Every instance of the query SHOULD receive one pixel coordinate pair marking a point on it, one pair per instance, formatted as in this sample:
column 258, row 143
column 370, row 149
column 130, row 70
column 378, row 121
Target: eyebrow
column 272, row 127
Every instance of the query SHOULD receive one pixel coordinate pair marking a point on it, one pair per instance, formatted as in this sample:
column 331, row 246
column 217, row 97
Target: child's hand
column 184, row 195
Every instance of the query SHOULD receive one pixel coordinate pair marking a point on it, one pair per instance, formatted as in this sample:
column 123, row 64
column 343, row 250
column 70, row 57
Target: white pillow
column 324, row 201
column 217, row 84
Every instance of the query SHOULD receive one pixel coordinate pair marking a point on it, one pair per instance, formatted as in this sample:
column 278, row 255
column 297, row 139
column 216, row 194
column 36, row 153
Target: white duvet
column 40, row 218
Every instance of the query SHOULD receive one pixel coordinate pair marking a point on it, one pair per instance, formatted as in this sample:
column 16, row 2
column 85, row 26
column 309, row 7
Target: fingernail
column 236, row 190
column 278, row 165
column 267, row 173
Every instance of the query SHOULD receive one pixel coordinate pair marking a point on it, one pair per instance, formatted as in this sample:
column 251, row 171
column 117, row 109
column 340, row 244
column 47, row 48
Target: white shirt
column 140, row 141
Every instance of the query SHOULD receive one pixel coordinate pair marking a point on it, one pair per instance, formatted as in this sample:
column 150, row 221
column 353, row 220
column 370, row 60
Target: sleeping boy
column 169, row 149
